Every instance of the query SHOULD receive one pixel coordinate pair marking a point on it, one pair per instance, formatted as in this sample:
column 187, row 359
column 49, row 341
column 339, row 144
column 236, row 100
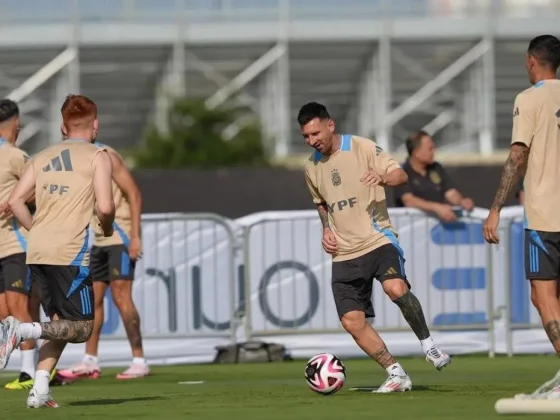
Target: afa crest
column 335, row 177
column 435, row 178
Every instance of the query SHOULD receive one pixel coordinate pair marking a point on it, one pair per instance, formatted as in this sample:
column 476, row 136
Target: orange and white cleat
column 36, row 400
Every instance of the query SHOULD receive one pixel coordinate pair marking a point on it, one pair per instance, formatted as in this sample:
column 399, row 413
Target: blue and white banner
column 269, row 272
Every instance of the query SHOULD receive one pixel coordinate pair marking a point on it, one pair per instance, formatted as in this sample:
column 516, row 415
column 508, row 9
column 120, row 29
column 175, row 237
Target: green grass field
column 467, row 389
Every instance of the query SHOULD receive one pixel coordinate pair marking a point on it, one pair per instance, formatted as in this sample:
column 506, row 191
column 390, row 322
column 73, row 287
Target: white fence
column 205, row 280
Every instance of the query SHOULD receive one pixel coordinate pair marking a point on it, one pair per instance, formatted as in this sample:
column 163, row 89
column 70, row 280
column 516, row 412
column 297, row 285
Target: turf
column 467, row 389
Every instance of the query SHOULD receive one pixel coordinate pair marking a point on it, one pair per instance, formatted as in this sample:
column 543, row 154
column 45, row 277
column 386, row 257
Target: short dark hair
column 8, row 110
column 310, row 111
column 414, row 140
column 546, row 49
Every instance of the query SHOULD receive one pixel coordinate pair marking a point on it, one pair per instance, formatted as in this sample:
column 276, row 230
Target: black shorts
column 14, row 274
column 111, row 262
column 542, row 255
column 65, row 290
column 352, row 280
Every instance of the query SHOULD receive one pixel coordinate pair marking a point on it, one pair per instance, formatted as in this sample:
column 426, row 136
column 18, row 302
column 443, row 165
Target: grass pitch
column 467, row 389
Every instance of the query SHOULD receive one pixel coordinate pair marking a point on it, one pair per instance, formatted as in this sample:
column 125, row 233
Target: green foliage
column 195, row 140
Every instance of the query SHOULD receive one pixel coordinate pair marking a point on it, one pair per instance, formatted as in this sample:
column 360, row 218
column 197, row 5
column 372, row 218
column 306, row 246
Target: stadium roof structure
column 382, row 67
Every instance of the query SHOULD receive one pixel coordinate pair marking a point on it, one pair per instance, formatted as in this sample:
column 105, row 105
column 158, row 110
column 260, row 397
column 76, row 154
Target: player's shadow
column 113, row 401
column 414, row 388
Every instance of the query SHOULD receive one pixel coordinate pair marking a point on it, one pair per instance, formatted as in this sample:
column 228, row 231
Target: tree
column 195, row 139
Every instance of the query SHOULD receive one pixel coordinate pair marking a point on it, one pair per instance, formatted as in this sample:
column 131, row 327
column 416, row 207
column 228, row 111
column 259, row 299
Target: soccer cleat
column 10, row 339
column 395, row 383
column 82, row 370
column 36, row 400
column 438, row 358
column 135, row 371
column 550, row 390
column 58, row 380
column 23, row 382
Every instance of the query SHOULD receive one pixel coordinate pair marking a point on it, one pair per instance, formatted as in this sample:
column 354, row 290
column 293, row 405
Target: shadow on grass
column 113, row 401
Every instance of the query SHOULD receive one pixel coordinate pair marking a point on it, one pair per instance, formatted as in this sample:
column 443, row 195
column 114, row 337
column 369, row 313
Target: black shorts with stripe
column 65, row 290
column 111, row 262
column 352, row 280
column 14, row 274
column 542, row 255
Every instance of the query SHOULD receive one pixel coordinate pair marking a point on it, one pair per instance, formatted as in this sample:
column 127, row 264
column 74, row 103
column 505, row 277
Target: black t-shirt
column 519, row 189
column 431, row 187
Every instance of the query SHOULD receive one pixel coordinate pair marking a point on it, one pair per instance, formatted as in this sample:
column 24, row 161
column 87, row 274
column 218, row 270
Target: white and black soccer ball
column 325, row 374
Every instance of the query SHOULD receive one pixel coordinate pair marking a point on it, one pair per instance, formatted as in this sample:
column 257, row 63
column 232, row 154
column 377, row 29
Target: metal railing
column 267, row 275
column 59, row 11
column 185, row 284
column 288, row 278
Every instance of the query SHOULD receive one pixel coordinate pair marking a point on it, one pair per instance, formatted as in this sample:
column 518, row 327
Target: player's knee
column 121, row 291
column 543, row 294
column 86, row 329
column 354, row 322
column 395, row 288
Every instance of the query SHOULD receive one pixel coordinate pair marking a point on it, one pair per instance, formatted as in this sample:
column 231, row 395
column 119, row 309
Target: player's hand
column 445, row 213
column 490, row 228
column 467, row 204
column 329, row 242
column 5, row 210
column 372, row 178
column 135, row 248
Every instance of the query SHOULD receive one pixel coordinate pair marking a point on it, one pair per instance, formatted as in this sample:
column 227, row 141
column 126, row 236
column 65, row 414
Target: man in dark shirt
column 429, row 187
column 520, row 193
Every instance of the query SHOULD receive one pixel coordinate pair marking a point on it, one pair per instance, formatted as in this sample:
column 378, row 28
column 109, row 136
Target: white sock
column 28, row 362
column 90, row 360
column 139, row 361
column 396, row 369
column 41, row 384
column 30, row 330
column 427, row 344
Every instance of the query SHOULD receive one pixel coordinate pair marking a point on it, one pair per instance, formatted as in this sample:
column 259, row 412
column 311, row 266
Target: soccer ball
column 325, row 374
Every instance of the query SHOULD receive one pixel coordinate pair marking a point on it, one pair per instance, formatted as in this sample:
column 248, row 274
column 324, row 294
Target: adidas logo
column 17, row 284
column 60, row 163
column 391, row 271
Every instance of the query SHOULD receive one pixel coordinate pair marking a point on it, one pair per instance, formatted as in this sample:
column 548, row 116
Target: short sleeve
column 317, row 199
column 18, row 162
column 524, row 120
column 400, row 191
column 383, row 162
column 446, row 181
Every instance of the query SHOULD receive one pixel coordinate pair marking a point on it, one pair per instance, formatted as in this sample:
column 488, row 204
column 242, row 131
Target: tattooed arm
column 323, row 211
column 514, row 169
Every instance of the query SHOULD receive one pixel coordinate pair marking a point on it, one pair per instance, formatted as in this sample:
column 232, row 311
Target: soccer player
column 346, row 175
column 15, row 282
column 535, row 153
column 112, row 263
column 68, row 180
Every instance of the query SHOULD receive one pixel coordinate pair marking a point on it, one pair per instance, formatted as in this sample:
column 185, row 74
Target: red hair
column 78, row 110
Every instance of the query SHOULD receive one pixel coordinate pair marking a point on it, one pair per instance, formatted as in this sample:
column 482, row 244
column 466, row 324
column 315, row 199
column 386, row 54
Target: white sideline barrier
column 189, row 285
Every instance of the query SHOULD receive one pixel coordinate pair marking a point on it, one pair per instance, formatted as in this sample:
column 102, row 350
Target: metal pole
column 384, row 102
column 487, row 140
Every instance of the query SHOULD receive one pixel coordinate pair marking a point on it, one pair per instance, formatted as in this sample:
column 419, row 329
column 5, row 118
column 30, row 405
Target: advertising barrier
column 205, row 280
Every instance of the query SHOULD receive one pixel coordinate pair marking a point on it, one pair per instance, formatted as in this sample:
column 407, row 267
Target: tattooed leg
column 552, row 329
column 67, row 331
column 121, row 291
column 413, row 314
column 543, row 296
column 367, row 338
